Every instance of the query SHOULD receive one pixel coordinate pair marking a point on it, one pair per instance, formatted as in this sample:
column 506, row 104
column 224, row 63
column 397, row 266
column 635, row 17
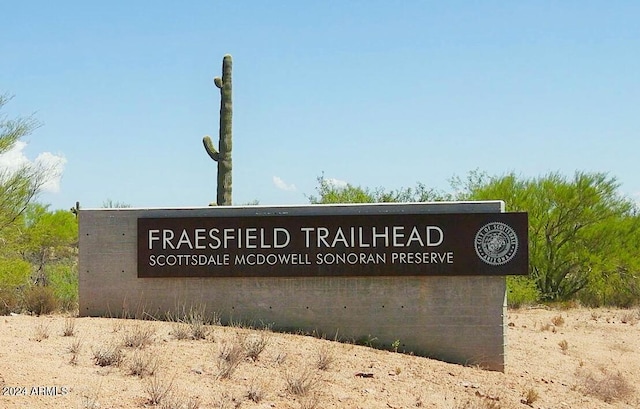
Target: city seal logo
column 496, row 243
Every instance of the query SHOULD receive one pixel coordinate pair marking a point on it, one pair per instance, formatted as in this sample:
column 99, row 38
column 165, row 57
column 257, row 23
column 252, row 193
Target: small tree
column 111, row 204
column 18, row 187
column 570, row 236
column 330, row 192
column 47, row 237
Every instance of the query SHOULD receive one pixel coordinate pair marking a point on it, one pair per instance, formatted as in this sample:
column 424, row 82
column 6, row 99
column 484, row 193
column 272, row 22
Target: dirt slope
column 578, row 358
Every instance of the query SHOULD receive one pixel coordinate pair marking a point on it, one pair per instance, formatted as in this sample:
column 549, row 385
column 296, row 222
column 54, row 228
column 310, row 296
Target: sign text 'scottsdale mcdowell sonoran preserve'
column 429, row 275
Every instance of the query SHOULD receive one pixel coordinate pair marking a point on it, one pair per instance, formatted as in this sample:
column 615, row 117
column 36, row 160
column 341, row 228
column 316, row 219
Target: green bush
column 40, row 300
column 521, row 290
column 619, row 288
column 14, row 273
column 63, row 279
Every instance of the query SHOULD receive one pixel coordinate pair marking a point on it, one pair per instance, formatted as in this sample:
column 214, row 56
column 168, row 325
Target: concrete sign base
column 457, row 319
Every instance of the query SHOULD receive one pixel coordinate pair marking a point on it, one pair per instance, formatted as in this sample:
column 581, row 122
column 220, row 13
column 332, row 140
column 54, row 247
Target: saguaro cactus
column 223, row 157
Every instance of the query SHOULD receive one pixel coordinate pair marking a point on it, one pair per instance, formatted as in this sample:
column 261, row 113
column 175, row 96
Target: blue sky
column 374, row 93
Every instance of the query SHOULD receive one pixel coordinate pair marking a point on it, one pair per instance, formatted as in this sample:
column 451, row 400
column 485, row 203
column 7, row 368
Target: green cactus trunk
column 224, row 156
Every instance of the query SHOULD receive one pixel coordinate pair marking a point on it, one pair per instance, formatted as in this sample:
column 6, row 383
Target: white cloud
column 55, row 166
column 14, row 159
column 282, row 185
column 52, row 165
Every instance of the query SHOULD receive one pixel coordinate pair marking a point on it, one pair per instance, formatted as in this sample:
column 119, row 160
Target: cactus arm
column 208, row 146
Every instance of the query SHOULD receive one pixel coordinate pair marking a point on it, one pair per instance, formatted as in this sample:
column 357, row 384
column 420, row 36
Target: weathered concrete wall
column 456, row 319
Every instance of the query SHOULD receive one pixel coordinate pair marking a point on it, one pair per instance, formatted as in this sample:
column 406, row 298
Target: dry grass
column 302, row 381
column 90, row 400
column 226, row 401
column 311, row 401
column 192, row 324
column 107, row 354
column 40, row 300
column 548, row 327
column 197, row 324
column 143, row 363
column 254, row 392
column 174, row 401
column 138, row 335
column 9, row 301
column 254, row 344
column 158, row 388
column 69, row 328
column 41, row 332
column 630, row 317
column 180, row 330
column 74, row 348
column 564, row 346
column 230, row 354
column 530, row 397
column 607, row 386
column 558, row 320
column 280, row 358
column 302, row 372
column 323, row 357
column 480, row 403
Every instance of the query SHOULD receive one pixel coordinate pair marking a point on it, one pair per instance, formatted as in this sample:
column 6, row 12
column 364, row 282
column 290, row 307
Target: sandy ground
column 578, row 358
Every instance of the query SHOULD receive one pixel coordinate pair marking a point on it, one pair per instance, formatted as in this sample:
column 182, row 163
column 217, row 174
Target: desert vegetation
column 584, row 253
column 243, row 367
column 584, row 236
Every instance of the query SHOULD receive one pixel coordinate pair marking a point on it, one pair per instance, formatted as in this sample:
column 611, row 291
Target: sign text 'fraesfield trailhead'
column 334, row 245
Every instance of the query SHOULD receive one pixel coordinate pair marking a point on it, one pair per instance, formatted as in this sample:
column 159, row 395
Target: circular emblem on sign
column 496, row 243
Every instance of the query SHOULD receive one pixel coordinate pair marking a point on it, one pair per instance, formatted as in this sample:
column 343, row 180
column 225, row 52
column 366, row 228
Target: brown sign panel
column 334, row 245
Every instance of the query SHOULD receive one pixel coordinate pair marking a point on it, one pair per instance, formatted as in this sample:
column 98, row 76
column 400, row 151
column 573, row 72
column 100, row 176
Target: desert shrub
column 107, row 355
column 89, row 399
column 9, row 301
column 69, row 328
column 63, row 279
column 14, row 273
column 138, row 335
column 619, row 288
column 158, row 388
column 180, row 330
column 179, row 401
column 607, row 386
column 254, row 392
column 254, row 344
column 225, row 400
column 323, row 358
column 191, row 324
column 74, row 348
column 521, row 291
column 229, row 357
column 40, row 300
column 142, row 364
column 302, row 381
column 41, row 332
column 630, row 317
column 197, row 324
column 530, row 397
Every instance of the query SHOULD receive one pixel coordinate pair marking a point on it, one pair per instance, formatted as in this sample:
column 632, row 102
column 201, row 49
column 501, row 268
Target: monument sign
column 428, row 278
